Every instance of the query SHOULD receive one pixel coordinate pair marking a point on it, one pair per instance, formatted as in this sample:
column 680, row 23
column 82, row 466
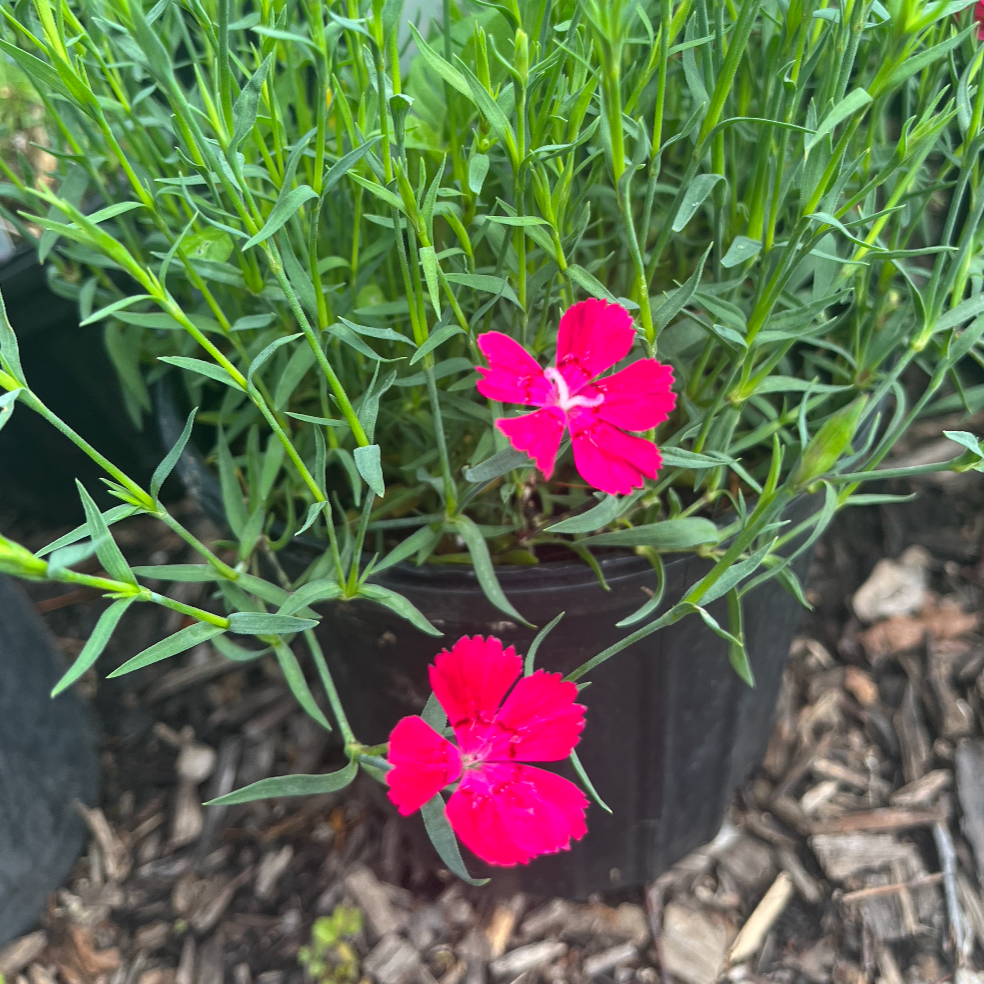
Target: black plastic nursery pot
column 671, row 729
column 70, row 371
column 47, row 763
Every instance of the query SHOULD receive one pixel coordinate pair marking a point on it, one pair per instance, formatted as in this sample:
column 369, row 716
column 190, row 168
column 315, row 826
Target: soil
column 855, row 854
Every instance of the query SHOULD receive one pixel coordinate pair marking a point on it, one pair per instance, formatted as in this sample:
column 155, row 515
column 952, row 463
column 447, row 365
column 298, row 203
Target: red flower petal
column 423, row 763
column 538, row 434
column 539, row 722
column 638, row 397
column 593, row 336
column 507, row 814
column 610, row 459
column 470, row 682
column 513, row 376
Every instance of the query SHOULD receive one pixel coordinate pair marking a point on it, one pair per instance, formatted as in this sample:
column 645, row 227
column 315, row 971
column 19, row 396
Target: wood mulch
column 856, row 853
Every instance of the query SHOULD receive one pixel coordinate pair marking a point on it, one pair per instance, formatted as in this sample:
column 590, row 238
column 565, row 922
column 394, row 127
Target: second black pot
column 70, row 371
column 47, row 763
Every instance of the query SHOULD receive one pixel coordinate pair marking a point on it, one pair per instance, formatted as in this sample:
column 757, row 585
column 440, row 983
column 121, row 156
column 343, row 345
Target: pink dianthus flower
column 593, row 336
column 504, row 811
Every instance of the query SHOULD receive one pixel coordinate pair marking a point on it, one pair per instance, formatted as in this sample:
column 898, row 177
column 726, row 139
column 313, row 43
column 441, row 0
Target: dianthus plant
column 550, row 279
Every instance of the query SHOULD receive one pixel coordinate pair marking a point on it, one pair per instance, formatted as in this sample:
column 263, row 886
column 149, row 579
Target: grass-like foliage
column 307, row 217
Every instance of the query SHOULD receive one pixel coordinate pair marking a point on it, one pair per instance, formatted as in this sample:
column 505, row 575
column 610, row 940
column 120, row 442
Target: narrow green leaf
column 420, row 540
column 344, row 164
column 310, row 594
column 95, row 645
column 438, row 338
column 653, row 602
column 682, row 458
column 9, row 349
column 232, row 495
column 188, row 573
column 735, row 574
column 535, row 644
column 282, row 212
column 260, row 360
column 737, row 653
column 245, row 110
column 165, row 468
column 670, row 534
column 848, row 106
column 72, row 190
column 294, row 676
column 677, row 300
column 262, row 623
column 7, row 404
column 442, row 837
column 428, row 260
column 45, row 78
column 587, row 783
column 111, row 516
column 588, row 282
column 741, row 250
column 237, row 653
column 487, row 283
column 489, row 108
column 67, row 557
column 964, row 311
column 202, row 368
column 369, row 463
column 397, row 603
column 434, row 714
column 478, row 169
column 111, row 211
column 434, row 61
column 916, row 63
column 181, row 641
column 277, row 786
column 499, row 464
column 110, row 555
column 598, row 516
column 698, row 191
column 484, row 570
column 109, row 309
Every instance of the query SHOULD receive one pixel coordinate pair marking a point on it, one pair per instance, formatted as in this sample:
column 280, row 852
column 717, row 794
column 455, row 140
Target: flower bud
column 829, row 443
column 20, row 562
column 521, row 58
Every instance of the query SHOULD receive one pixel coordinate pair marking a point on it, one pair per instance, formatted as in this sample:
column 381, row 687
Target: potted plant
column 601, row 308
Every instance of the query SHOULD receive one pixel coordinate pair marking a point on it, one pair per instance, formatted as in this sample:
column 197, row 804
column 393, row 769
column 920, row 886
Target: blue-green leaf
column 397, row 603
column 109, row 554
column 499, row 464
column 442, row 837
column 165, row 468
column 670, row 534
column 294, row 676
column 369, row 463
column 276, row 786
column 535, row 644
column 95, row 644
column 201, row 367
column 484, row 570
column 178, row 643
column 263, row 623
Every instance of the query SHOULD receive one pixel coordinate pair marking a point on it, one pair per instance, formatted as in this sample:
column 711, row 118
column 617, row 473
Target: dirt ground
column 856, row 853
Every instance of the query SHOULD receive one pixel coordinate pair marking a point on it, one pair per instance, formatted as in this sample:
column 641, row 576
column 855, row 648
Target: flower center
column 473, row 760
column 562, row 393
